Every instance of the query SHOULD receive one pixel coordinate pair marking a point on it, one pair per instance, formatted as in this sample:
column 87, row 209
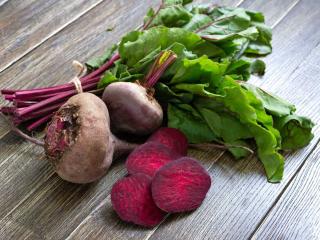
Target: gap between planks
column 49, row 35
column 283, row 191
column 211, row 165
column 285, row 14
column 3, row 2
column 299, row 168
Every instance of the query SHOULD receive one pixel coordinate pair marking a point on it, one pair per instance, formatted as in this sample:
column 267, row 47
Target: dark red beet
column 180, row 185
column 131, row 199
column 172, row 138
column 149, row 157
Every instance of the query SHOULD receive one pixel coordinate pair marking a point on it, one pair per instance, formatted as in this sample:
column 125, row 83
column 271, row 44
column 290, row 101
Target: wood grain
column 24, row 25
column 22, row 171
column 297, row 213
column 2, row 2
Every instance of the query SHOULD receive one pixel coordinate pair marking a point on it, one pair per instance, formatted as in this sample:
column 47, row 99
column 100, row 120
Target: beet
column 78, row 140
column 180, row 185
column 149, row 157
column 173, row 138
column 131, row 199
column 132, row 109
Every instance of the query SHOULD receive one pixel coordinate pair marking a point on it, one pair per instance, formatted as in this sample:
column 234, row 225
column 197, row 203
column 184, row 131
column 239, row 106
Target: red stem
column 102, row 69
column 39, row 122
column 50, row 91
column 163, row 61
column 54, row 99
column 157, row 75
column 21, row 103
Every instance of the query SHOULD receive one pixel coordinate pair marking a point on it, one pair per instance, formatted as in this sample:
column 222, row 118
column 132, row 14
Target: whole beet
column 78, row 140
column 173, row 138
column 149, row 157
column 180, row 185
column 131, row 199
column 132, row 109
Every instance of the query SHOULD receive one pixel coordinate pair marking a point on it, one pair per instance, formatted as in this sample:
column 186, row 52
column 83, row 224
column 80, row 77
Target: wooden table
column 40, row 38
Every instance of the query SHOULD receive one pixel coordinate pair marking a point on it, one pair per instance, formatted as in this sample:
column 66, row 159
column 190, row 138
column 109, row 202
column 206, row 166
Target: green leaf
column 189, row 121
column 176, row 2
column 199, row 70
column 225, row 125
column 136, row 45
column 257, row 67
column 273, row 104
column 197, row 22
column 98, row 61
column 295, row 131
column 166, row 95
column 107, row 78
column 171, row 16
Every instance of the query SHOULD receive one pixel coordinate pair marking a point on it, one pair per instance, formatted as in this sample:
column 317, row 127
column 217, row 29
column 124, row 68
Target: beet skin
column 132, row 110
column 79, row 142
column 149, row 157
column 180, row 185
column 131, row 199
column 172, row 138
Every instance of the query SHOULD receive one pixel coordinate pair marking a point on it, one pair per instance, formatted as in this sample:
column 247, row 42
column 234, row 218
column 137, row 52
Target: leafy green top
column 216, row 47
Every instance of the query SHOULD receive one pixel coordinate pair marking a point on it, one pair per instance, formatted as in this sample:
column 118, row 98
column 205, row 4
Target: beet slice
column 172, row 138
column 131, row 199
column 149, row 157
column 180, row 185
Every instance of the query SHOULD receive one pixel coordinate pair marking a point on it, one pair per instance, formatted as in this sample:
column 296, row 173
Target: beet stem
column 54, row 99
column 102, row 69
column 163, row 61
column 147, row 24
column 122, row 147
column 22, row 134
column 50, row 91
column 221, row 146
column 39, row 122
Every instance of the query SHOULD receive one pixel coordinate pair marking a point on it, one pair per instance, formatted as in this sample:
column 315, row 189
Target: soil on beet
column 61, row 132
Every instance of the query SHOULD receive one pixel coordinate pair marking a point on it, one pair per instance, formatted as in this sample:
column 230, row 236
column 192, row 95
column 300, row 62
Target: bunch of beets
column 161, row 180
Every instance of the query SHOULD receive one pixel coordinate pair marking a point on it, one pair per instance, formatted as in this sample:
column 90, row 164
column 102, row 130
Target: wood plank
column 24, row 25
column 297, row 213
column 104, row 224
column 241, row 197
column 293, row 41
column 2, row 2
column 22, row 170
column 60, row 205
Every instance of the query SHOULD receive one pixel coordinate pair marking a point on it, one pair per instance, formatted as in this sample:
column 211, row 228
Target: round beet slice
column 172, row 138
column 180, row 185
column 131, row 199
column 149, row 157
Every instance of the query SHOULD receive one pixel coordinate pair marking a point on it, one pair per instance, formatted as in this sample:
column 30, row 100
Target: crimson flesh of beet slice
column 172, row 138
column 180, row 185
column 149, row 157
column 131, row 199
